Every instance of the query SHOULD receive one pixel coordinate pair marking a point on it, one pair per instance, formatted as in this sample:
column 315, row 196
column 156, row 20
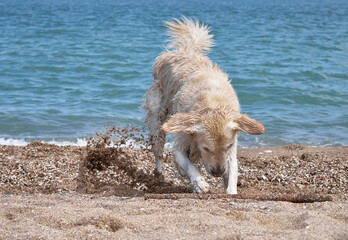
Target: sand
column 54, row 192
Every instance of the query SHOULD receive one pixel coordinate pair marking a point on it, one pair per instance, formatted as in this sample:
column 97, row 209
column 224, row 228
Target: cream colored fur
column 192, row 98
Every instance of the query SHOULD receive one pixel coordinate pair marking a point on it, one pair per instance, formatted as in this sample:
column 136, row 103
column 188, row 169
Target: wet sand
column 53, row 192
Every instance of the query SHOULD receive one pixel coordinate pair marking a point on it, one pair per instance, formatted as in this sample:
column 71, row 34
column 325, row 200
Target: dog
column 192, row 98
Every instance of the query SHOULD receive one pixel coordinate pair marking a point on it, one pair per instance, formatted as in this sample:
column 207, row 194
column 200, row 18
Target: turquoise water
column 71, row 68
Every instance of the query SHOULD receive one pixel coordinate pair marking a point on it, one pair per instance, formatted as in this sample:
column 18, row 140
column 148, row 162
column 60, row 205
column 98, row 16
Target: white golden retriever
column 193, row 98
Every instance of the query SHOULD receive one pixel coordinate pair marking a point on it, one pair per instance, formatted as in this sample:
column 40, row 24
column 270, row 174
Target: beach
column 68, row 192
column 73, row 69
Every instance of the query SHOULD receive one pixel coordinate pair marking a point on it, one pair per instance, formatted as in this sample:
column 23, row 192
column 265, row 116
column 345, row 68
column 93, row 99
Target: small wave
column 80, row 142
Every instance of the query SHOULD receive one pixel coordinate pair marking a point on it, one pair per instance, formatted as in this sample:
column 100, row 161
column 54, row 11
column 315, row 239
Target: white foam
column 14, row 142
column 80, row 142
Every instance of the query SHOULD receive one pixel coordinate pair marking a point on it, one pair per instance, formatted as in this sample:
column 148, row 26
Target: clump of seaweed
column 121, row 159
column 107, row 147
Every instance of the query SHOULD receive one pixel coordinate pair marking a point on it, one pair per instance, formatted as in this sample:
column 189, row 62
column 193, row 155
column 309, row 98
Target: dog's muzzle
column 217, row 171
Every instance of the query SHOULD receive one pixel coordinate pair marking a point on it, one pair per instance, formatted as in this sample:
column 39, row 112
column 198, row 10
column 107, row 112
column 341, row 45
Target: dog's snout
column 218, row 171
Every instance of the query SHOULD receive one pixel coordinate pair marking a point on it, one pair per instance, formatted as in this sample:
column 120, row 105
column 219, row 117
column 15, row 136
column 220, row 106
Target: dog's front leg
column 231, row 176
column 187, row 168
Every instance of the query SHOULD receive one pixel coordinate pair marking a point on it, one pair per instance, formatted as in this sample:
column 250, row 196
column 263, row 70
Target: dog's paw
column 159, row 166
column 199, row 185
column 231, row 191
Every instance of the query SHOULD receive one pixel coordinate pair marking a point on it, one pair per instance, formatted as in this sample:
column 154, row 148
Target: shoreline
column 58, row 192
column 48, row 168
column 82, row 142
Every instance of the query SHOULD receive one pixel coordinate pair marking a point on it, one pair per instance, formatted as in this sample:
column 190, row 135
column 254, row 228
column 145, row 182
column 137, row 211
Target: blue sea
column 71, row 68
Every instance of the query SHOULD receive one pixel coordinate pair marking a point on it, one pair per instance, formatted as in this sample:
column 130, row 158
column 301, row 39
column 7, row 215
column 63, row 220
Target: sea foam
column 80, row 142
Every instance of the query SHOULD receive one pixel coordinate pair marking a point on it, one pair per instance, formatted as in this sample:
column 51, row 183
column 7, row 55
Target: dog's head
column 215, row 132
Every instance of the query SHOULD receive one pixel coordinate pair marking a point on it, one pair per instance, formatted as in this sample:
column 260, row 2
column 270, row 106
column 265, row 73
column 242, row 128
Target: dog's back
column 186, row 77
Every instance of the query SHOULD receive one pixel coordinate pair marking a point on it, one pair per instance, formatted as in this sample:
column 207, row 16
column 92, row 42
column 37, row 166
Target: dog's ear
column 249, row 125
column 181, row 122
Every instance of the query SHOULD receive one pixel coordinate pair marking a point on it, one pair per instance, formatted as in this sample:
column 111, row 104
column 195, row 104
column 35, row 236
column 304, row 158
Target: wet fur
column 192, row 98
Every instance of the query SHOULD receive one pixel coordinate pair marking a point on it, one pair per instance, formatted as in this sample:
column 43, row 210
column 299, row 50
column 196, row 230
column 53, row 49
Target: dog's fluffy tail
column 187, row 34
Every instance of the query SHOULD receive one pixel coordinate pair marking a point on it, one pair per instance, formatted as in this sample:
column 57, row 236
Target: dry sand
column 52, row 192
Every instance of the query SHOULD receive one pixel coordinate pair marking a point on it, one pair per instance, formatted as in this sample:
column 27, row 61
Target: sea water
column 70, row 68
